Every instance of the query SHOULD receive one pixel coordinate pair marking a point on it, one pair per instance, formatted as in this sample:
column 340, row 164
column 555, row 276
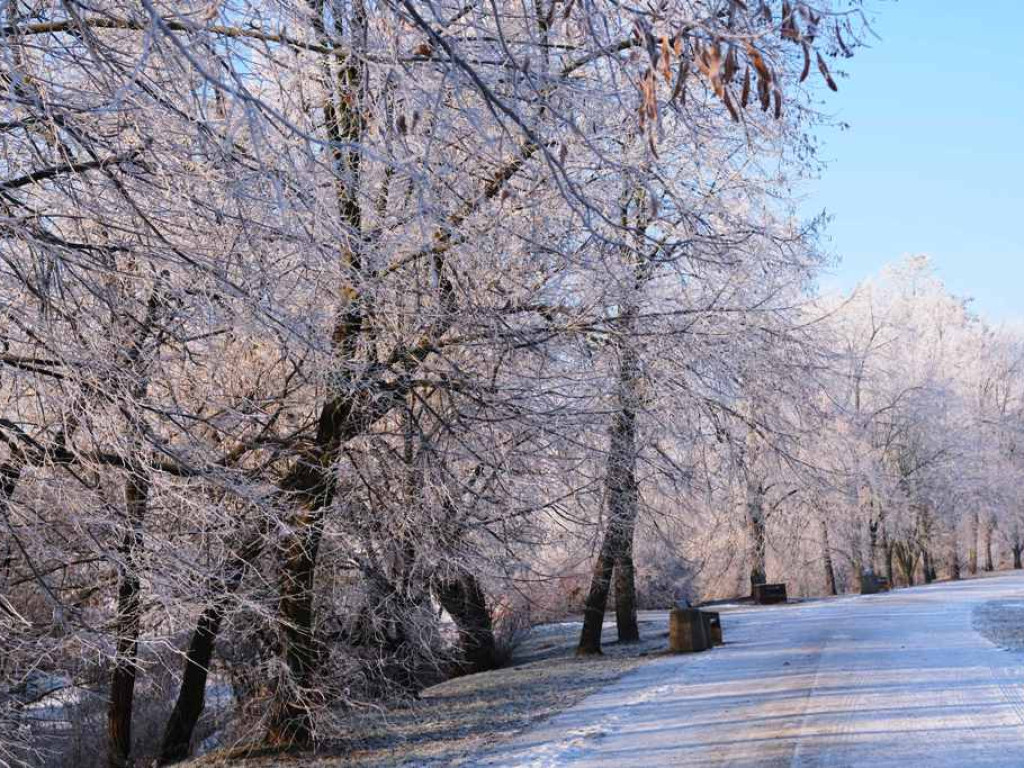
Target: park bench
column 769, row 594
column 871, row 584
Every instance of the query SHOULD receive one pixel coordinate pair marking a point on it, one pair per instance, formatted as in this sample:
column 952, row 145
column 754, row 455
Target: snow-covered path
column 899, row 679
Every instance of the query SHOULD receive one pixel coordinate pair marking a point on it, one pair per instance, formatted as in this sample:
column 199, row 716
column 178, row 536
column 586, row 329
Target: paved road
column 884, row 680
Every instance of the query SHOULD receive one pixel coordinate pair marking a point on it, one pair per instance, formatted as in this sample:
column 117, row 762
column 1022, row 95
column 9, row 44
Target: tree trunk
column 622, row 495
column 597, row 599
column 192, row 694
column 353, row 406
column 625, row 597
column 907, row 557
column 972, row 543
column 986, row 542
column 290, row 719
column 756, row 532
column 887, row 555
column 873, row 545
column 129, row 603
column 826, row 550
column 1016, row 546
column 464, row 599
column 927, row 567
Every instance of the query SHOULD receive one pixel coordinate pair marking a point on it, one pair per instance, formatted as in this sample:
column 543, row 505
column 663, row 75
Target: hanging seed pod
column 714, row 69
column 731, row 65
column 745, row 93
column 727, row 100
column 665, row 60
column 790, row 31
column 764, row 94
column 758, row 61
column 684, row 72
column 823, row 68
column 807, row 63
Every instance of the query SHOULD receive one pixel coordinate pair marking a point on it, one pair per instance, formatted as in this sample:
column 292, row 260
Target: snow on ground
column 899, row 679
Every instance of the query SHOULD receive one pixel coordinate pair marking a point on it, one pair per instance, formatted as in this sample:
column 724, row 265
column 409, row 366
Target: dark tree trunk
column 924, row 536
column 129, row 602
column 972, row 543
column 888, row 553
column 623, row 493
column 926, row 566
column 1016, row 546
column 873, row 545
column 625, row 597
column 830, row 571
column 756, row 539
column 290, row 719
column 597, row 599
column 622, row 496
column 464, row 599
column 986, row 540
column 10, row 473
column 907, row 558
column 192, row 694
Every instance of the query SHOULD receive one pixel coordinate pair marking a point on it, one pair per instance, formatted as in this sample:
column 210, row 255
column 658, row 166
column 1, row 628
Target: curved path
column 899, row 679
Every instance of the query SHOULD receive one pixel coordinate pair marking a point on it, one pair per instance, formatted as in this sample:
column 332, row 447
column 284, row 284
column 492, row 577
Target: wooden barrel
column 687, row 631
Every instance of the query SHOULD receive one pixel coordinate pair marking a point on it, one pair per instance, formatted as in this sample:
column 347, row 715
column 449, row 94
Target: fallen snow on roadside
column 899, row 679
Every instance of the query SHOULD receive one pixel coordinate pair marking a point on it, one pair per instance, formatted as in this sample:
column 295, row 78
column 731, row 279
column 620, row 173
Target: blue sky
column 933, row 160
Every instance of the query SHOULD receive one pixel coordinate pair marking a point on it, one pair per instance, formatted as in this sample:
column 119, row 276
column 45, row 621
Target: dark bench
column 769, row 594
column 871, row 584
